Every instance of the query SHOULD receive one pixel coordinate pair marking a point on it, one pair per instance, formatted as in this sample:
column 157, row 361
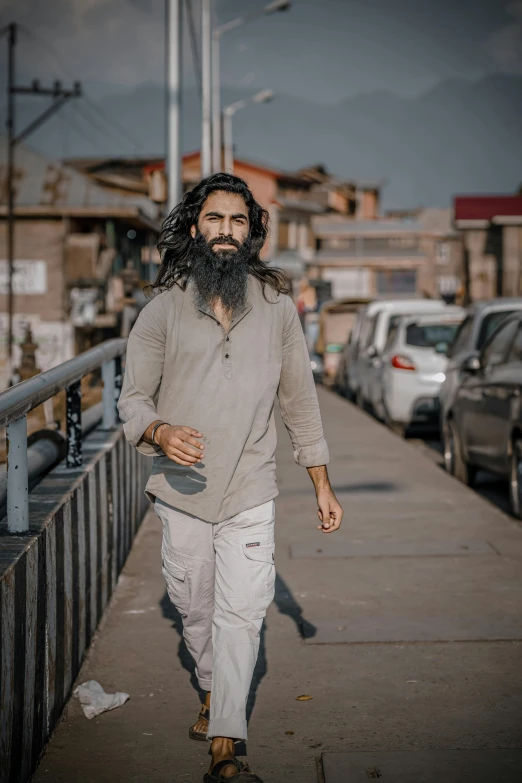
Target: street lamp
column 264, row 96
column 271, row 8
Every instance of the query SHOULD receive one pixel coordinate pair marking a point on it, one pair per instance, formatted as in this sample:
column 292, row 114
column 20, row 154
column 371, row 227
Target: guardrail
column 67, row 541
column 19, row 400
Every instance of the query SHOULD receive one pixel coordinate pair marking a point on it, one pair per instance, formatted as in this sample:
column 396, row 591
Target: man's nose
column 226, row 227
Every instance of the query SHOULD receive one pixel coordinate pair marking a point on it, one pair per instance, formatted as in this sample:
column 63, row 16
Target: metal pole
column 17, row 477
column 228, row 142
column 174, row 75
column 10, row 194
column 109, row 395
column 206, row 72
column 216, row 102
column 73, row 416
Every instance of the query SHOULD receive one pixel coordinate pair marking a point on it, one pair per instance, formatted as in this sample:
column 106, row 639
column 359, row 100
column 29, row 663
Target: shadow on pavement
column 286, row 604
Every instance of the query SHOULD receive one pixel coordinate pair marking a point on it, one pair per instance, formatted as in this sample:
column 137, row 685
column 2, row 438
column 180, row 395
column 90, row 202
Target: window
column 495, row 352
column 367, row 332
column 397, row 281
column 462, row 337
column 392, row 334
column 443, row 253
column 429, row 335
column 515, row 354
column 489, row 324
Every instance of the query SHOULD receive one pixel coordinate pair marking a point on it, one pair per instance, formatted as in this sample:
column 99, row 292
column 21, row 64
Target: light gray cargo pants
column 221, row 578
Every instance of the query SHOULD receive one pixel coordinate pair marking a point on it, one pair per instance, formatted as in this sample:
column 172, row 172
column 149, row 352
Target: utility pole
column 206, row 69
column 59, row 96
column 174, row 76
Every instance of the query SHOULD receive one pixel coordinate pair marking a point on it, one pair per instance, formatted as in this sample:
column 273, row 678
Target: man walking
column 205, row 361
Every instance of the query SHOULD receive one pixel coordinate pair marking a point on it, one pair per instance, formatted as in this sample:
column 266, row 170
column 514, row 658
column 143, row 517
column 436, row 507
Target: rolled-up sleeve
column 298, row 396
column 143, row 373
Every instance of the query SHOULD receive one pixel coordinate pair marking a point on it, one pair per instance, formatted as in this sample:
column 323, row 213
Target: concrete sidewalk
column 411, row 618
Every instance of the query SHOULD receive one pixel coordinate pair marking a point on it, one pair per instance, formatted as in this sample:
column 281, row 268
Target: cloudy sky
column 321, row 50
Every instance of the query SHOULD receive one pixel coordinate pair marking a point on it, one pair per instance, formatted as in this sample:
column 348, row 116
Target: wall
column 38, row 240
column 54, row 585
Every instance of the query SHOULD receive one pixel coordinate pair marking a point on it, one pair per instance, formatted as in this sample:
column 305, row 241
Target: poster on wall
column 30, row 277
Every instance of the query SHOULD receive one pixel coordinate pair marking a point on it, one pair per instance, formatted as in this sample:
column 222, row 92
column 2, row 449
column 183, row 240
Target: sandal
column 203, row 715
column 244, row 775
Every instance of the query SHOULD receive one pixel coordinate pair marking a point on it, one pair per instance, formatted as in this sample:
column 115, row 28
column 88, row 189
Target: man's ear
column 193, row 232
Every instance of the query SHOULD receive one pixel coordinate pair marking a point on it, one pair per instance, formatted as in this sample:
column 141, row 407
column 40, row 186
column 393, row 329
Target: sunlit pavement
column 404, row 629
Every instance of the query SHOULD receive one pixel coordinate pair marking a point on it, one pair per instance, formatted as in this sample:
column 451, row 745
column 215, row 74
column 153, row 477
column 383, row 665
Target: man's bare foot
column 201, row 725
column 223, row 748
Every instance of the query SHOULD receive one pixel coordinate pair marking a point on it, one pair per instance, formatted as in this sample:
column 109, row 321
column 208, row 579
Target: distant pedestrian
column 205, row 361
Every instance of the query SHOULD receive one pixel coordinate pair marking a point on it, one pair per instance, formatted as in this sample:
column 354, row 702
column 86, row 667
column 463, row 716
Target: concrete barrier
column 55, row 582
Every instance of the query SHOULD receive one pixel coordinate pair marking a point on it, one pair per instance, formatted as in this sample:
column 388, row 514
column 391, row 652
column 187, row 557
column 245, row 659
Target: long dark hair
column 175, row 242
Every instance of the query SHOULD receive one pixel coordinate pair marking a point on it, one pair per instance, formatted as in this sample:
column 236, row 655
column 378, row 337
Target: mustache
column 228, row 240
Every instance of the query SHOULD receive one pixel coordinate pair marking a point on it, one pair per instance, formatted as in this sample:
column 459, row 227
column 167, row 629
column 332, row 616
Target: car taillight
column 402, row 363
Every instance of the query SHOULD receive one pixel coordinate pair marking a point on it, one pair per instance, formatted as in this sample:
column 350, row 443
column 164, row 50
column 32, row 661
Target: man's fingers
column 182, row 459
column 192, row 431
column 184, row 447
column 194, row 442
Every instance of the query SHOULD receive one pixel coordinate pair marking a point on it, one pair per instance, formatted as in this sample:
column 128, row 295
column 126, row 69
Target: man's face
column 223, row 222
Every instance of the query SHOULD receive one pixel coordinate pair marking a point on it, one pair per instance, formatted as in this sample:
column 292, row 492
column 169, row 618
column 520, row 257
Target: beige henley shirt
column 183, row 367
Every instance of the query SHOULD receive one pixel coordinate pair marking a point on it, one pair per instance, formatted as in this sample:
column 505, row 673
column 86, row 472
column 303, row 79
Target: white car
column 413, row 368
column 373, row 330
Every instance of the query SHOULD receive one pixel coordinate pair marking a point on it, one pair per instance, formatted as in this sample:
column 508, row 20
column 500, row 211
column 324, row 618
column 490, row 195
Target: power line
column 67, row 73
column 194, row 47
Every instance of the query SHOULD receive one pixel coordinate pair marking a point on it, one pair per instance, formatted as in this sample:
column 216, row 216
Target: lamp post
column 264, row 96
column 173, row 96
column 217, row 33
column 206, row 92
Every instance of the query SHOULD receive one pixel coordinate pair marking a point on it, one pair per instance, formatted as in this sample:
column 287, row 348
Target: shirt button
column 228, row 339
column 226, row 356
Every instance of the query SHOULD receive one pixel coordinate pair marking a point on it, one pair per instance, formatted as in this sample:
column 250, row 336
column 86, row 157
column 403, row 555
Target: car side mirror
column 471, row 364
column 371, row 352
column 442, row 348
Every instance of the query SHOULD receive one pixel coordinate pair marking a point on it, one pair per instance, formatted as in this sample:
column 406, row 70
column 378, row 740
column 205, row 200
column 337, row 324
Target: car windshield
column 489, row 325
column 430, row 335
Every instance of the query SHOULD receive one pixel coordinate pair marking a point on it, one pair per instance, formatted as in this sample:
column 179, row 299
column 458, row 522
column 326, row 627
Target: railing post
column 118, row 384
column 109, row 395
column 17, row 477
column 73, row 414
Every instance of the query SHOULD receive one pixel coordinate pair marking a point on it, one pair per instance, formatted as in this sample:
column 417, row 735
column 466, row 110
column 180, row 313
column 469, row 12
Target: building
column 491, row 228
column 73, row 240
column 387, row 257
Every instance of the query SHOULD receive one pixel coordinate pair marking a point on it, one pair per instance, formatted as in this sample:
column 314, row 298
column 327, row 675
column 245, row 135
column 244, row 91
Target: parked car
column 373, row 332
column 484, row 422
column 413, row 367
column 481, row 321
column 336, row 319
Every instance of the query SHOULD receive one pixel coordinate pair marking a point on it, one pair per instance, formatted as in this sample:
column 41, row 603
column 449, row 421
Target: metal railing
column 19, row 400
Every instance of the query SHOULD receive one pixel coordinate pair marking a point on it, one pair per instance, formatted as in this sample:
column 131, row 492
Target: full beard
column 220, row 275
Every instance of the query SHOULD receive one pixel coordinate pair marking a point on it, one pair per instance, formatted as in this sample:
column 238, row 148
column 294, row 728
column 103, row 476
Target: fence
column 62, row 547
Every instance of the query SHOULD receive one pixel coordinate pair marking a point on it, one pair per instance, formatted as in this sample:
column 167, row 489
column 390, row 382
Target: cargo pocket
column 259, row 553
column 175, row 573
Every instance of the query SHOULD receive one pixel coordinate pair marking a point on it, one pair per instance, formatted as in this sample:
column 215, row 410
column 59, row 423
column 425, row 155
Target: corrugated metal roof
column 366, row 227
column 370, row 252
column 47, row 182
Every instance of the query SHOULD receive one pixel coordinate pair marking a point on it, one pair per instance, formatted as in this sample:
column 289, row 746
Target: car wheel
column 515, row 480
column 461, row 469
column 359, row 399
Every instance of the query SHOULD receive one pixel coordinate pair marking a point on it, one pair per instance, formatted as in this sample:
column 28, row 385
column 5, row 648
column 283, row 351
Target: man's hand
column 329, row 510
column 179, row 443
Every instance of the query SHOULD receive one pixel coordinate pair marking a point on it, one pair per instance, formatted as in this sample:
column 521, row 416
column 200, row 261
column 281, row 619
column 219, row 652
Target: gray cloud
column 506, row 44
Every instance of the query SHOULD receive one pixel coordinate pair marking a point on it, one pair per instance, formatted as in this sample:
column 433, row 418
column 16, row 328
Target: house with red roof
column 491, row 226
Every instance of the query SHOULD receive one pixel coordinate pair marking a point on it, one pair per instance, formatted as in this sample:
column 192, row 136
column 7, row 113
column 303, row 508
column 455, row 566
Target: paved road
column 421, row 593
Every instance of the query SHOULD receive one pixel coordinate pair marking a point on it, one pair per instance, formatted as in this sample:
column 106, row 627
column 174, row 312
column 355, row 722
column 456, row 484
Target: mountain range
column 459, row 137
